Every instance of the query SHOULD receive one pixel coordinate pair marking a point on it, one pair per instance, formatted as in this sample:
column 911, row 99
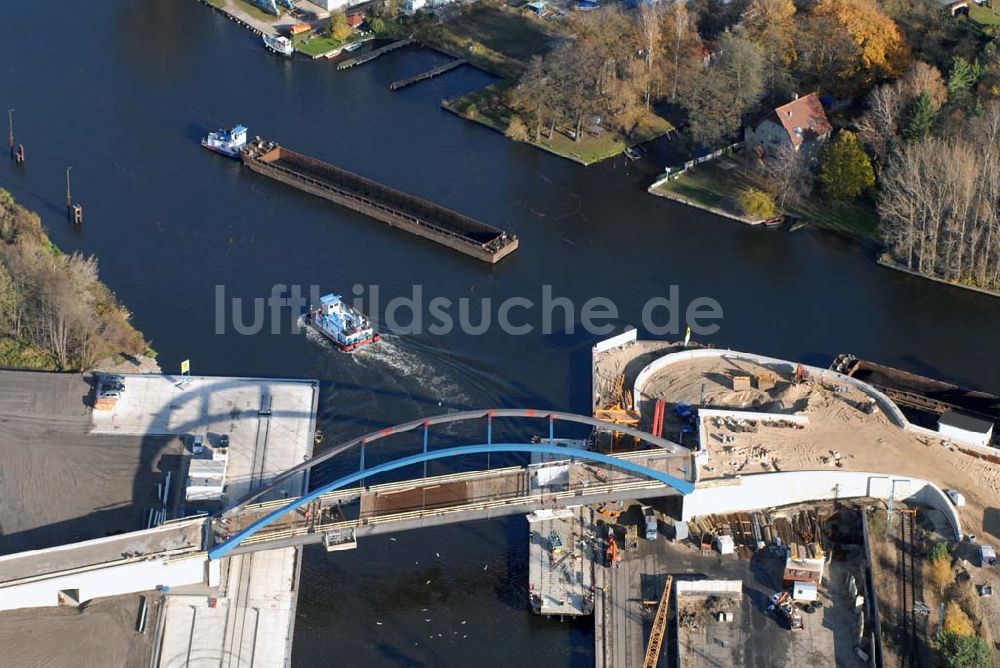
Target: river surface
column 123, row 90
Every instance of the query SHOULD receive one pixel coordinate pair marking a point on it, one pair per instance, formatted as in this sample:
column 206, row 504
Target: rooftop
column 803, row 118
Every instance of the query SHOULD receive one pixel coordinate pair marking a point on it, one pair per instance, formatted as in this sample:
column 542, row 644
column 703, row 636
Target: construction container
column 725, row 544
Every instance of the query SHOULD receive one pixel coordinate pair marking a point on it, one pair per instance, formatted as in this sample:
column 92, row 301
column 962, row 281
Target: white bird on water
column 428, row 582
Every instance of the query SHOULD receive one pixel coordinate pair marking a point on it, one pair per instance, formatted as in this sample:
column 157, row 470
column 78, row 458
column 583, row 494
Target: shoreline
column 891, row 264
column 652, row 190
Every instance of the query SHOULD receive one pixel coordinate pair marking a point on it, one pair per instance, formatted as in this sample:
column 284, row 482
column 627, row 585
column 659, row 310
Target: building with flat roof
column 966, row 428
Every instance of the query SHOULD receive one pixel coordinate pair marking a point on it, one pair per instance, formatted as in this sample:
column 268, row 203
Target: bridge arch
column 463, row 416
column 682, row 486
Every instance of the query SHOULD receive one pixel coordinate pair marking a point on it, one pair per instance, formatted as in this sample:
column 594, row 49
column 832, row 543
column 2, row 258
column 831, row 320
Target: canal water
column 123, row 90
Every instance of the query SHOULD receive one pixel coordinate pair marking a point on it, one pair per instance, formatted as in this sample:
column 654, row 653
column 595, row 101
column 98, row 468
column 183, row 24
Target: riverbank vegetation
column 54, row 312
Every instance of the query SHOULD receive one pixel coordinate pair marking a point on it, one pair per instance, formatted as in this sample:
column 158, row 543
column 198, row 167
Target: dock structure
column 429, row 74
column 413, row 214
column 561, row 562
column 374, row 53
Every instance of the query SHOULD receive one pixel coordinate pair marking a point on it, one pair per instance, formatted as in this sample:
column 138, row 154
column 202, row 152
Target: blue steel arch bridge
column 563, row 472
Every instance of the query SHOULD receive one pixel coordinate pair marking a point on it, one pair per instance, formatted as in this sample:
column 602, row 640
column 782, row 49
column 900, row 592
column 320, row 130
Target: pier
column 429, row 74
column 374, row 53
column 413, row 214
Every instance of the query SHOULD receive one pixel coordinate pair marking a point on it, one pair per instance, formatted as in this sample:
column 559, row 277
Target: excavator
column 614, row 554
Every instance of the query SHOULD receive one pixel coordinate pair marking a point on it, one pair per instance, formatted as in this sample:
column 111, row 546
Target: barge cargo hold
column 919, row 392
column 415, row 215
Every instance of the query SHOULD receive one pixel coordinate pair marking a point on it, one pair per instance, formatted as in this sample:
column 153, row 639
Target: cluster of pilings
column 73, row 211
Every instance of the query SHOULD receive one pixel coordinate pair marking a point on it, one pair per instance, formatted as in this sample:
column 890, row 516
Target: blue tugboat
column 345, row 326
column 226, row 143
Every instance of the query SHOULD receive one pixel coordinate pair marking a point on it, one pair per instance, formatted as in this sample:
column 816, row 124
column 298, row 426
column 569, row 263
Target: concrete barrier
column 770, row 490
column 885, row 404
column 114, row 580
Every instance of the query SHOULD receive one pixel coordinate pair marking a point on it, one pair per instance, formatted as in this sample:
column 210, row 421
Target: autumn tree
column 770, row 24
column 339, row 28
column 924, row 78
column 939, row 203
column 516, row 129
column 757, row 204
column 682, row 48
column 878, row 50
column 956, row 621
column 942, row 574
column 845, row 171
column 730, row 88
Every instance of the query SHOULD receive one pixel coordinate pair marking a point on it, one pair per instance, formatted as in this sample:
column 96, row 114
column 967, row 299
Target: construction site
column 762, row 430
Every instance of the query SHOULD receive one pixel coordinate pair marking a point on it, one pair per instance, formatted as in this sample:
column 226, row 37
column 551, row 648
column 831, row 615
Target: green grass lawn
column 711, row 185
column 498, row 40
column 315, row 45
column 984, row 15
column 590, row 149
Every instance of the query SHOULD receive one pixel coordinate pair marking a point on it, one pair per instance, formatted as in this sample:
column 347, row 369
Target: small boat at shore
column 346, row 327
column 353, row 46
column 226, row 143
column 279, row 44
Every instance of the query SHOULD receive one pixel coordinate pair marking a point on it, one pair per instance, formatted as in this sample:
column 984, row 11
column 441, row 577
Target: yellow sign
column 186, row 368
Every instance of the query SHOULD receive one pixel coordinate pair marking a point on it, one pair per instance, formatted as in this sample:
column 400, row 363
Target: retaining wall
column 769, row 490
column 884, row 403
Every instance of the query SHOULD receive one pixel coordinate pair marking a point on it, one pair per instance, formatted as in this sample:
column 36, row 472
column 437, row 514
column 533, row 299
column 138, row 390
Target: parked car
column 198, row 445
column 956, row 497
column 652, row 531
column 224, row 441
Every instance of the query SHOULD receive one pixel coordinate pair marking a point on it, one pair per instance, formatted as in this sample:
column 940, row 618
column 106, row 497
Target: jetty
column 398, row 209
column 429, row 74
column 374, row 53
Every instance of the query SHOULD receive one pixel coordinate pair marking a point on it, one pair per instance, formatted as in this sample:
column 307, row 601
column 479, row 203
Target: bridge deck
column 453, row 498
column 183, row 536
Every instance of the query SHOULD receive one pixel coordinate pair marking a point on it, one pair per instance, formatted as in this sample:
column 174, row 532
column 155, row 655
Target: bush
column 941, row 572
column 757, row 203
column 517, row 130
column 956, row 621
column 956, row 651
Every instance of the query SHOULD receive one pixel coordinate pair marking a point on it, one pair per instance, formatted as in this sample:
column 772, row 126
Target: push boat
column 279, row 44
column 226, row 143
column 346, row 327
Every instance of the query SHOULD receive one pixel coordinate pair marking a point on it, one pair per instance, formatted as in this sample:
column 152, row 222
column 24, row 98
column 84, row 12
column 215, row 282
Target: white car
column 956, row 497
column 197, row 445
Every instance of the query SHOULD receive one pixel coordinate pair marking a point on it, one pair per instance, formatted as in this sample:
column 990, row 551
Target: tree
column 846, row 171
column 924, row 78
column 757, row 204
column 770, row 24
column 939, row 203
column 516, row 129
column 879, row 124
column 962, row 78
column 956, row 621
column 879, row 48
column 730, row 87
column 957, row 651
column 789, row 174
column 920, row 118
column 683, row 48
column 941, row 574
column 339, row 28
column 376, row 25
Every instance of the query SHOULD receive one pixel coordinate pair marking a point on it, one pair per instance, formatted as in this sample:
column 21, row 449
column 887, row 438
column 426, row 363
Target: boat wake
column 406, row 365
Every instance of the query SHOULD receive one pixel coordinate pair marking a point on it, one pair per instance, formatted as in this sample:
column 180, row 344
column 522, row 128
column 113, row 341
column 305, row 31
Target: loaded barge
column 919, row 392
column 415, row 215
